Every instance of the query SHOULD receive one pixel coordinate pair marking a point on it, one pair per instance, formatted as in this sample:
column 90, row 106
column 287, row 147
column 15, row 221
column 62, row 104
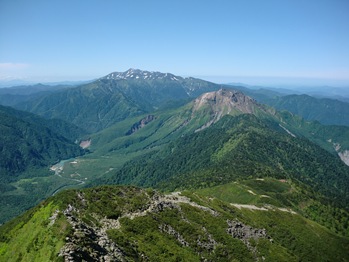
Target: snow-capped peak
column 140, row 74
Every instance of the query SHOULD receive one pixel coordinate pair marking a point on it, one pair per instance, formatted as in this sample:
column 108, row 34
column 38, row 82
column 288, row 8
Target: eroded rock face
column 89, row 241
column 245, row 233
column 241, row 231
column 225, row 102
column 140, row 124
column 344, row 156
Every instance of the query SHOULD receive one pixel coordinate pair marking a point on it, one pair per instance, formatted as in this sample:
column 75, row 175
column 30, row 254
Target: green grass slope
column 285, row 194
column 130, row 224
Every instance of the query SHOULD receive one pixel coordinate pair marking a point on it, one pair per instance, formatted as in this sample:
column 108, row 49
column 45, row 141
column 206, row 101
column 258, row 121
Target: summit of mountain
column 226, row 101
column 176, row 87
column 117, row 96
column 141, row 74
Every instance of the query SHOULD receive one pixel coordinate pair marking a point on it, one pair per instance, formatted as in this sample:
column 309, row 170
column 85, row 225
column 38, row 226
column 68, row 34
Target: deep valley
column 149, row 166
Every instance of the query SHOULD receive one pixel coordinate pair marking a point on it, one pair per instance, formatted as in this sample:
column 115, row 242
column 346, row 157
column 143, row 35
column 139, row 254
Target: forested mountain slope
column 238, row 147
column 28, row 141
column 29, row 146
column 117, row 96
column 327, row 111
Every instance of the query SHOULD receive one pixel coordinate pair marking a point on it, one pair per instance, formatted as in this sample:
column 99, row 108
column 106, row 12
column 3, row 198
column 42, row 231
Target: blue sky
column 254, row 41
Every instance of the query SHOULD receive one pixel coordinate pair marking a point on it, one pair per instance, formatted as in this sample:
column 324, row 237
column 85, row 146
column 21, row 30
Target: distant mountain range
column 19, row 94
column 14, row 83
column 136, row 84
column 115, row 97
column 256, row 183
column 325, row 110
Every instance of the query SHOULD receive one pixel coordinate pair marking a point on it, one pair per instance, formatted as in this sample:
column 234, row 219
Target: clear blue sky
column 225, row 41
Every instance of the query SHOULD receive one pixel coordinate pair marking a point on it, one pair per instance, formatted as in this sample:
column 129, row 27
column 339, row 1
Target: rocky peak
column 224, row 102
column 140, row 74
column 227, row 100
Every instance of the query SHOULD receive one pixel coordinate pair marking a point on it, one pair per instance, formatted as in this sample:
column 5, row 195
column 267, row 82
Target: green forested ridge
column 328, row 137
column 13, row 96
column 235, row 147
column 91, row 107
column 147, row 225
column 325, row 110
column 171, row 124
column 28, row 147
column 30, row 144
column 116, row 144
column 58, row 126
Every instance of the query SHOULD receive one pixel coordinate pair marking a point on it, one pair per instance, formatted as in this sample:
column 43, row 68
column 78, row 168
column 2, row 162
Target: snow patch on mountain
column 139, row 74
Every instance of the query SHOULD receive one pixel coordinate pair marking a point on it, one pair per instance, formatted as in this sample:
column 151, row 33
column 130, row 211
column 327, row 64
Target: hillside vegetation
column 108, row 100
column 218, row 178
column 28, row 142
column 242, row 146
column 29, row 146
column 327, row 111
column 130, row 224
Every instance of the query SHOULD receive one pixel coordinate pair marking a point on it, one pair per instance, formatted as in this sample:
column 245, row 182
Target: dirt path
column 264, row 208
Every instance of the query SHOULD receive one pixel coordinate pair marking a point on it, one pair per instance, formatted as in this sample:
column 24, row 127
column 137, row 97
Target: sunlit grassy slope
column 200, row 223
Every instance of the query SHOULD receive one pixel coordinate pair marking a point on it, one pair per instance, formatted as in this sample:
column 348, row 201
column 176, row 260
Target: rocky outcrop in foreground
column 90, row 242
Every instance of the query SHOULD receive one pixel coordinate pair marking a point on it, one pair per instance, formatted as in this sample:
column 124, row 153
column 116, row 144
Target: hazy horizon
column 257, row 43
column 272, row 82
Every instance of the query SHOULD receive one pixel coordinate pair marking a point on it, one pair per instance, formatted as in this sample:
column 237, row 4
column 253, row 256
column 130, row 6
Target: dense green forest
column 327, row 111
column 238, row 147
column 29, row 146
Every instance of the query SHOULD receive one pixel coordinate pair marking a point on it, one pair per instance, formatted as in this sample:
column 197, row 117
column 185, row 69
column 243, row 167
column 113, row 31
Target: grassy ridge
column 31, row 237
column 182, row 231
column 284, row 193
